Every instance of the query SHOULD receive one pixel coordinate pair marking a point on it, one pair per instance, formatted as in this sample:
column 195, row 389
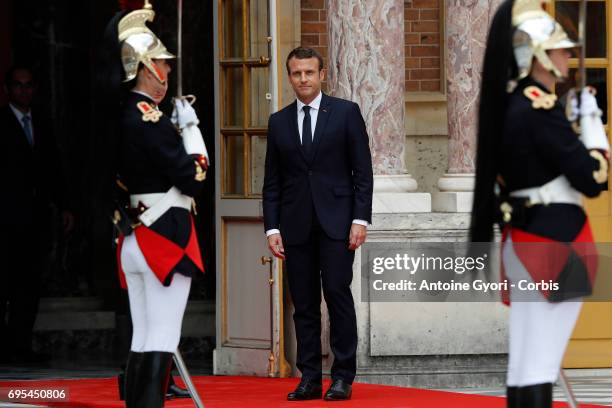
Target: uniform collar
column 530, row 81
column 146, row 95
column 314, row 104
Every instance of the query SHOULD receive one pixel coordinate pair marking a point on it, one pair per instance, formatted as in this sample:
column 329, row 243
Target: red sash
column 161, row 254
column 547, row 259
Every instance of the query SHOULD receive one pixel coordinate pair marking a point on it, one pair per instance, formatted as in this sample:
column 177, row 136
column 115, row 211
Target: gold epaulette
column 601, row 175
column 540, row 99
column 149, row 113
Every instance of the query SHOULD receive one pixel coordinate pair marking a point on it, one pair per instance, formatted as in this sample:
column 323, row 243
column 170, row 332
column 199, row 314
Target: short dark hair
column 8, row 77
column 304, row 53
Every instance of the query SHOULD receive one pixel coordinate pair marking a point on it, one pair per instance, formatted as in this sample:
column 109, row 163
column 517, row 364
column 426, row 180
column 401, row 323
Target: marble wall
column 467, row 23
column 366, row 54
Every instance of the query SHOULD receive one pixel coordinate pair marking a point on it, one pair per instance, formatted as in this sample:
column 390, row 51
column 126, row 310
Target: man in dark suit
column 317, row 201
column 31, row 180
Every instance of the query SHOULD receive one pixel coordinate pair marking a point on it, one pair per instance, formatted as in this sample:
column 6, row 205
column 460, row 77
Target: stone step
column 87, row 314
column 77, row 304
column 64, row 320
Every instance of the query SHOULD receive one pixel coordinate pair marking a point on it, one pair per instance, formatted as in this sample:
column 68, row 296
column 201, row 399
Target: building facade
column 414, row 68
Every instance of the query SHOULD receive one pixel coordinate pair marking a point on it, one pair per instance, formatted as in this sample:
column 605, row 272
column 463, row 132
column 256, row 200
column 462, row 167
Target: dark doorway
column 59, row 39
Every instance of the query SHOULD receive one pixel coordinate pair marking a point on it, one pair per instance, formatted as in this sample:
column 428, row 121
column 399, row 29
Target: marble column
column 467, row 25
column 366, row 66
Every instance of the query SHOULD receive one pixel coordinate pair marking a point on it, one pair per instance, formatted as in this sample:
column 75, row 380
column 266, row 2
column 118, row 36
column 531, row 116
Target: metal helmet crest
column 140, row 45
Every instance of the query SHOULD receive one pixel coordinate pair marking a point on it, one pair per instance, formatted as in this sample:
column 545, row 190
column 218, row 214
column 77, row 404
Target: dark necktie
column 306, row 130
column 27, row 129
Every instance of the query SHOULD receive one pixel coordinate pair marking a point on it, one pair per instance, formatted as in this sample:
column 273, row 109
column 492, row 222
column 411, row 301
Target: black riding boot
column 536, row 396
column 512, row 397
column 153, row 381
column 130, row 379
column 121, row 383
column 173, row 391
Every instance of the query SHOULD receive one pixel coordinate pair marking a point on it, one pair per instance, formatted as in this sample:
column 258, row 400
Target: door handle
column 271, row 359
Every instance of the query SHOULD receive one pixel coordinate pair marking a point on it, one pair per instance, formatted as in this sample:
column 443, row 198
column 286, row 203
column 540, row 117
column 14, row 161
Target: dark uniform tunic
column 538, row 145
column 153, row 160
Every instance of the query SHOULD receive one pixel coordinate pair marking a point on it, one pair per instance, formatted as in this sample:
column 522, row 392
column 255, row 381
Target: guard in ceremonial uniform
column 532, row 171
column 162, row 164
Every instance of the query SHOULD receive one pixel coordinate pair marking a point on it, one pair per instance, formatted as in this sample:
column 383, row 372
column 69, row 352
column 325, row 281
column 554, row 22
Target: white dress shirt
column 314, row 114
column 19, row 115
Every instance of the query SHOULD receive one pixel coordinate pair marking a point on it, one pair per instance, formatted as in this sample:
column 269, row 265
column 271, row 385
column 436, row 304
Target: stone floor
column 590, row 386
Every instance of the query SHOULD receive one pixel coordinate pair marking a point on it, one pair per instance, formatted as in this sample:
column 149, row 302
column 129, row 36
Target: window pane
column 233, row 114
column 234, row 165
column 258, row 24
column 233, row 36
column 567, row 15
column 260, row 104
column 596, row 77
column 258, row 159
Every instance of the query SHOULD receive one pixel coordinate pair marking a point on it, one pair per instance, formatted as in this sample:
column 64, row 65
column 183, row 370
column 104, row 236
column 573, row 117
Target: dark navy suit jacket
column 335, row 181
column 32, row 175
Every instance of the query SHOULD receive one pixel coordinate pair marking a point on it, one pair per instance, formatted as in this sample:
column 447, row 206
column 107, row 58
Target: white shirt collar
column 314, row 104
column 19, row 114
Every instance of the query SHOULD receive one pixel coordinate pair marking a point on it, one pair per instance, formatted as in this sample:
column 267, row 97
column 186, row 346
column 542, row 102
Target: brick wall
column 422, row 39
column 314, row 28
column 422, row 42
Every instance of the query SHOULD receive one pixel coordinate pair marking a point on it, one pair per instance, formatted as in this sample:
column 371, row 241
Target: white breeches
column 157, row 311
column 539, row 330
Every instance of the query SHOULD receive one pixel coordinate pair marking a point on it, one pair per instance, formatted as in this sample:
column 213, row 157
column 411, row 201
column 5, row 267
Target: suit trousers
column 22, row 253
column 322, row 261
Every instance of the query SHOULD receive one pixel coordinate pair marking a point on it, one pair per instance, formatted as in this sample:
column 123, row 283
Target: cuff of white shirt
column 272, row 232
column 361, row 222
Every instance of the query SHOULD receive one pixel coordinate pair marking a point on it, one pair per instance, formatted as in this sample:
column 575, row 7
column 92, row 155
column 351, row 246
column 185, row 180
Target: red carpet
column 253, row 392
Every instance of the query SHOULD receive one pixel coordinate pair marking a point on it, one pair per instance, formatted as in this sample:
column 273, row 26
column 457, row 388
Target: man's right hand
column 275, row 243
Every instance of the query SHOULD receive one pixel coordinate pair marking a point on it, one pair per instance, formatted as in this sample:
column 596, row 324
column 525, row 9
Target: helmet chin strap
column 154, row 69
column 547, row 63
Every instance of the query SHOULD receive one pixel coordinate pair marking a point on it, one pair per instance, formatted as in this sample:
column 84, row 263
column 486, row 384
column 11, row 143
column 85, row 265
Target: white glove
column 183, row 114
column 588, row 103
column 593, row 135
column 572, row 110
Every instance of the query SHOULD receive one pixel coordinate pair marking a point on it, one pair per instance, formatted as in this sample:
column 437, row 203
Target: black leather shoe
column 174, row 391
column 131, row 379
column 306, row 390
column 121, row 385
column 339, row 390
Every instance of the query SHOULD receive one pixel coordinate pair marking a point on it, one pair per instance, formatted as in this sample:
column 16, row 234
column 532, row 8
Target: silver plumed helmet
column 140, row 45
column 535, row 33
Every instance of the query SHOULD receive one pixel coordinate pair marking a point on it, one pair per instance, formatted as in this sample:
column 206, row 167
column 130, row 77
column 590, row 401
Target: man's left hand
column 357, row 236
